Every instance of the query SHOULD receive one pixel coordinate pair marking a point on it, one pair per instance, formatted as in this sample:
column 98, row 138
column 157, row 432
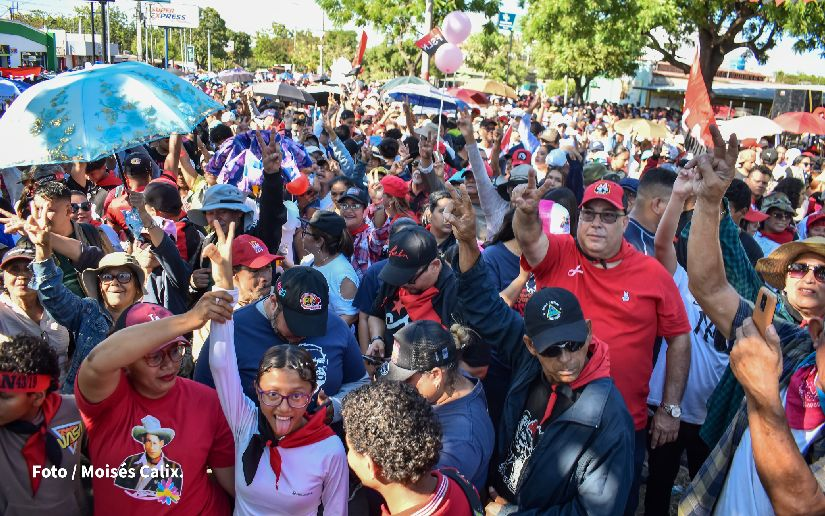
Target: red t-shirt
column 187, row 427
column 630, row 305
column 448, row 500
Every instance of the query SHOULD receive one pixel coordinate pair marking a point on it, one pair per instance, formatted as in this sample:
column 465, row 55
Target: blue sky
column 251, row 16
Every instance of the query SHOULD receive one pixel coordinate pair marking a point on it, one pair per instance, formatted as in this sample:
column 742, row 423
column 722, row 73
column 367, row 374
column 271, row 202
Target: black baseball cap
column 356, row 194
column 770, row 156
column 137, row 166
column 329, row 222
column 419, row 346
column 409, row 250
column 303, row 295
column 553, row 316
column 17, row 253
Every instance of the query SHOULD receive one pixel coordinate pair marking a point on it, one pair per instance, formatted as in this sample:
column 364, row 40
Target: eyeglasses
column 555, row 350
column 174, row 353
column 418, row 275
column 122, row 277
column 800, row 270
column 805, row 163
column 353, row 207
column 274, row 398
column 305, row 232
column 608, row 217
column 81, row 206
column 781, row 215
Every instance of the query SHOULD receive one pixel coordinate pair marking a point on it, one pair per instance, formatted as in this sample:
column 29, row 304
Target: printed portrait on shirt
column 151, row 475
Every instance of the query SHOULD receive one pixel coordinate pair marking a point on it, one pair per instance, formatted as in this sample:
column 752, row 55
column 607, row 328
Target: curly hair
column 54, row 191
column 287, row 356
column 30, row 355
column 396, row 427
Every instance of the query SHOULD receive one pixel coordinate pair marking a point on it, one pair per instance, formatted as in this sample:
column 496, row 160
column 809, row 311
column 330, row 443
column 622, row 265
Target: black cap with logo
column 328, row 222
column 553, row 316
column 17, row 253
column 409, row 251
column 137, row 166
column 357, row 194
column 419, row 346
column 303, row 295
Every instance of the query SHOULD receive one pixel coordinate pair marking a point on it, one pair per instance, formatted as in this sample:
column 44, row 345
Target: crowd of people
column 515, row 309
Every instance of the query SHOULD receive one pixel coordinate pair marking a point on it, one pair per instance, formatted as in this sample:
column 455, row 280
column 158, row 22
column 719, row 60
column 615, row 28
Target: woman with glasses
column 777, row 229
column 370, row 233
column 83, row 212
column 288, row 461
column 162, row 432
column 112, row 287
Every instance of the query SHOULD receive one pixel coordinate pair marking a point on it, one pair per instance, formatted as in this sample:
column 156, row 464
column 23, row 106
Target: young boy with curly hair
column 40, row 434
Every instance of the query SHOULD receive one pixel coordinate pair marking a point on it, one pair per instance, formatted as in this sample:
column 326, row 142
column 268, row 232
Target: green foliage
column 386, row 61
column 572, row 39
column 280, row 45
column 799, row 78
column 121, row 25
column 243, row 47
column 210, row 23
column 487, row 52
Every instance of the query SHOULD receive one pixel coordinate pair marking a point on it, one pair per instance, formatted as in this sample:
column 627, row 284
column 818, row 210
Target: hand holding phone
column 763, row 310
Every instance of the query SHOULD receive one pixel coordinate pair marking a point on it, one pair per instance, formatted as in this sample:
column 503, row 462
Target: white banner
column 174, row 15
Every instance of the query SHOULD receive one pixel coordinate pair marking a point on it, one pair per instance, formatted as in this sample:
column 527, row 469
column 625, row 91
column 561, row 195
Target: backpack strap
column 469, row 490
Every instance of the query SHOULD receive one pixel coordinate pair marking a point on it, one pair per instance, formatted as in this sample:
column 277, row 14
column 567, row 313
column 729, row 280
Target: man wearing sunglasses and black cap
column 565, row 435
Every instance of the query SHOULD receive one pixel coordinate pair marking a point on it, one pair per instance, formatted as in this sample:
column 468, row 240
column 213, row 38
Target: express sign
column 174, row 15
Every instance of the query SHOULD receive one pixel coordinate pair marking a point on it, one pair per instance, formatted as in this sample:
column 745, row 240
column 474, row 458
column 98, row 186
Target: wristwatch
column 672, row 410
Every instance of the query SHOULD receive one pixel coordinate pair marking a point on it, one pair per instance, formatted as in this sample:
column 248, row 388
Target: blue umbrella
column 9, row 89
column 425, row 95
column 92, row 113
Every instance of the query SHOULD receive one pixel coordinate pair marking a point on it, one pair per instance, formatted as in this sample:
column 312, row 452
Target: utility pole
column 428, row 26
column 94, row 50
column 209, row 50
column 139, row 29
column 509, row 51
column 165, row 47
column 105, row 15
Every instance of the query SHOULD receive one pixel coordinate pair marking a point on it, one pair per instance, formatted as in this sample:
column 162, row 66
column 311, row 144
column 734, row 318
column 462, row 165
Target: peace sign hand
column 527, row 201
column 220, row 255
column 38, row 228
column 460, row 214
column 270, row 153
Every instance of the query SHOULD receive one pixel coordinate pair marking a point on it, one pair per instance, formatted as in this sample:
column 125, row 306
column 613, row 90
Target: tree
column 385, row 61
column 121, row 26
column 243, row 47
column 212, row 24
column 564, row 48
column 399, row 20
column 487, row 52
column 273, row 46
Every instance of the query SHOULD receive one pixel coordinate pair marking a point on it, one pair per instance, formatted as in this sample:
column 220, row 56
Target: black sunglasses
column 121, row 277
column 800, row 270
column 556, row 349
column 81, row 206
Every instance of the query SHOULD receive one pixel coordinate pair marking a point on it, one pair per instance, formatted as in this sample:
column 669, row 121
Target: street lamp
column 104, row 22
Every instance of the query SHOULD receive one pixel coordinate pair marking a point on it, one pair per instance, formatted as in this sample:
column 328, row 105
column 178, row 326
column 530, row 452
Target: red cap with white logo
column 605, row 191
column 251, row 252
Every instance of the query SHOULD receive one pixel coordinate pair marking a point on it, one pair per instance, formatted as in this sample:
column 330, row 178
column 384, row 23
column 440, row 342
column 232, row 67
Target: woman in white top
column 327, row 238
column 287, row 461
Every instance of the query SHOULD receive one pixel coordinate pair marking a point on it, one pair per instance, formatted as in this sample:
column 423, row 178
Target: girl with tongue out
column 287, row 460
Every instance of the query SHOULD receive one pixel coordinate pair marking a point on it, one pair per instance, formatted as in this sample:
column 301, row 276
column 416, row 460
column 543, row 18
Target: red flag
column 361, row 48
column 698, row 113
column 505, row 141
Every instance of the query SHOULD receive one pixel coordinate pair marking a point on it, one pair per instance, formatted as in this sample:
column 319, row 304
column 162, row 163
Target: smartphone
column 376, row 361
column 763, row 310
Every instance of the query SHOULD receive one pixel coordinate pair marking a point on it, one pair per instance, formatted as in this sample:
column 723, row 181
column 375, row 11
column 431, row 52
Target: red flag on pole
column 361, row 48
column 697, row 114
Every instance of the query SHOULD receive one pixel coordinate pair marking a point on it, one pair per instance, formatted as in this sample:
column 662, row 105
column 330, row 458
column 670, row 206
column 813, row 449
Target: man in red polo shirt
column 630, row 298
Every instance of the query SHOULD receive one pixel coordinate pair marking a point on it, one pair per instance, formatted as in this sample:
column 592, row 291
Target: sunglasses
column 608, row 217
column 806, row 163
column 418, row 275
column 121, row 277
column 781, row 215
column 81, row 206
column 295, row 400
column 555, row 350
column 800, row 270
column 175, row 354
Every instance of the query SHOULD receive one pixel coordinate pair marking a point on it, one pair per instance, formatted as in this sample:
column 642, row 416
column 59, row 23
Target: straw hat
column 88, row 278
column 774, row 266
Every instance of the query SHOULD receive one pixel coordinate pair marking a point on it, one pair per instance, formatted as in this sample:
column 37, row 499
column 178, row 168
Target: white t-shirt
column 335, row 272
column 706, row 364
column 293, row 222
column 743, row 492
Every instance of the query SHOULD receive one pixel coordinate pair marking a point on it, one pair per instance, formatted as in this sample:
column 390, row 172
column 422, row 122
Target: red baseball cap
column 298, row 186
column 814, row 219
column 251, row 252
column 605, row 191
column 395, row 186
column 756, row 216
column 140, row 313
column 522, row 157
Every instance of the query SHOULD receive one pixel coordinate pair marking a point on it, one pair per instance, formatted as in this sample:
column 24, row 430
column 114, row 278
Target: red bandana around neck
column 41, row 444
column 801, row 400
column 420, row 306
column 360, row 229
column 780, row 238
column 315, row 430
column 597, row 366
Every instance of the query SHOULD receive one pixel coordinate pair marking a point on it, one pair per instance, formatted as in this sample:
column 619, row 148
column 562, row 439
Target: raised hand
column 213, row 306
column 757, row 362
column 12, row 223
column 527, row 201
column 460, row 214
column 465, row 125
column 425, row 150
column 715, row 170
column 38, row 226
column 270, row 153
column 685, row 185
column 220, row 255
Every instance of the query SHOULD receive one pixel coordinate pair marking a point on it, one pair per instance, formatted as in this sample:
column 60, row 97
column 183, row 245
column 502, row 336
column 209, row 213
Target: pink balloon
column 448, row 58
column 456, row 27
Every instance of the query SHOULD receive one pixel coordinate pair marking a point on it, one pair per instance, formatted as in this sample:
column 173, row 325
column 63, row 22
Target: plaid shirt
column 704, row 491
column 369, row 245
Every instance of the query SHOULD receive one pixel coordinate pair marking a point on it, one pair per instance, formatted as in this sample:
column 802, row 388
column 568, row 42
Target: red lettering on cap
column 395, row 252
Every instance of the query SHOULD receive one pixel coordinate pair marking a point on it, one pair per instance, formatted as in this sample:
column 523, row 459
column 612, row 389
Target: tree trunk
column 710, row 58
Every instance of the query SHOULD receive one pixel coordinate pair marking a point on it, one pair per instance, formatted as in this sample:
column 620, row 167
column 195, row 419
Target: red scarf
column 315, row 430
column 420, row 306
column 801, row 400
column 780, row 238
column 360, row 229
column 598, row 366
column 41, row 444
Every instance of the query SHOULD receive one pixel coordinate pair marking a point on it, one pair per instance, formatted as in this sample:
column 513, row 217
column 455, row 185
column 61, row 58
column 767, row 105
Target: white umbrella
column 749, row 127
